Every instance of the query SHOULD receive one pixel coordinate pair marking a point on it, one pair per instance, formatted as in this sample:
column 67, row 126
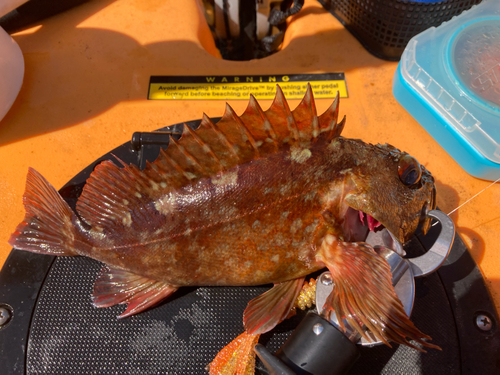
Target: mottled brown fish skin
column 262, row 221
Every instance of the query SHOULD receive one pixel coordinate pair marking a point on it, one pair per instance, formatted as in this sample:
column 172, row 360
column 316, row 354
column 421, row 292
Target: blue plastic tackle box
column 448, row 79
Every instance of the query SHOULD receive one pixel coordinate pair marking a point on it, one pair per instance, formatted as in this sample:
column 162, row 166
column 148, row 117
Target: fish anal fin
column 364, row 295
column 264, row 312
column 238, row 357
column 115, row 286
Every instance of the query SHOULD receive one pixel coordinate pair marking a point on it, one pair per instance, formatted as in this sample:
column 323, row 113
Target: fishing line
column 471, row 198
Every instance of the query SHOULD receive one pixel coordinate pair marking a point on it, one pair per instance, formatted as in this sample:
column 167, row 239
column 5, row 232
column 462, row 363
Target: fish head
column 391, row 188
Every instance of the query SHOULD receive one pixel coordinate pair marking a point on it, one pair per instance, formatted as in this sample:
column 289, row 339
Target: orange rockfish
column 265, row 197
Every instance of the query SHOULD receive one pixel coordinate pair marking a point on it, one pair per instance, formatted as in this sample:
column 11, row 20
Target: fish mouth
column 370, row 221
column 363, row 229
column 360, row 219
column 357, row 225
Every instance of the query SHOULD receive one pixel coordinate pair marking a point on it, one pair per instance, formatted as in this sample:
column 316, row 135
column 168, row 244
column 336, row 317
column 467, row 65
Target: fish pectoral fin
column 363, row 294
column 264, row 312
column 114, row 286
column 237, row 357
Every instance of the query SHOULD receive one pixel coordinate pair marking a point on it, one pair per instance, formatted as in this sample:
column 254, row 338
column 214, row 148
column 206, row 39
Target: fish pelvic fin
column 262, row 314
column 114, row 286
column 236, row 358
column 364, row 296
column 49, row 226
column 266, row 311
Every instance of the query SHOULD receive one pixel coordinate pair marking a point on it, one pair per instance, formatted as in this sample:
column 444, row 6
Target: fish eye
column 409, row 170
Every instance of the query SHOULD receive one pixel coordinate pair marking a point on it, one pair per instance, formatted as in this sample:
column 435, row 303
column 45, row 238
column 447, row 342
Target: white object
column 7, row 6
column 11, row 62
column 233, row 18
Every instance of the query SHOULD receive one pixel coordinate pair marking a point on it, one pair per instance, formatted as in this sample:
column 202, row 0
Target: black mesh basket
column 385, row 27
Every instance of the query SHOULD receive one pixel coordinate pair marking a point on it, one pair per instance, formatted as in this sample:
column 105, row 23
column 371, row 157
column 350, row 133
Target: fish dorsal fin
column 210, row 149
column 236, row 140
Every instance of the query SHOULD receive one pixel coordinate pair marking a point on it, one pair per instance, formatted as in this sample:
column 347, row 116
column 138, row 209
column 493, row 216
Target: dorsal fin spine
column 306, row 118
column 161, row 165
column 338, row 128
column 187, row 154
column 205, row 146
column 267, row 126
column 156, row 168
column 280, row 97
column 223, row 138
column 174, row 164
column 136, row 175
column 163, row 172
column 309, row 98
column 205, row 122
column 328, row 120
column 335, row 105
column 243, row 127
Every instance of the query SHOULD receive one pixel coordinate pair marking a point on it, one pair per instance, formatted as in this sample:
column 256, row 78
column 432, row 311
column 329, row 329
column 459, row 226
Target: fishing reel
column 318, row 346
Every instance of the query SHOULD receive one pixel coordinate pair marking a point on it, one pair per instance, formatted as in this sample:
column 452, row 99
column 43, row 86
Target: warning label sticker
column 325, row 86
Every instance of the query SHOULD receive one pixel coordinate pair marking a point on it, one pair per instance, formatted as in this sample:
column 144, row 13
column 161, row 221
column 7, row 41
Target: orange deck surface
column 86, row 82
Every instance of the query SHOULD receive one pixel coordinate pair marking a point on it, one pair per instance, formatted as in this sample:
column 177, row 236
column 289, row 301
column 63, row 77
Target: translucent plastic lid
column 456, row 69
column 475, row 55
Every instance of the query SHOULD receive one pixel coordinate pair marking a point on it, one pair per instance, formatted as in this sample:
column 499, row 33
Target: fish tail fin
column 364, row 295
column 49, row 224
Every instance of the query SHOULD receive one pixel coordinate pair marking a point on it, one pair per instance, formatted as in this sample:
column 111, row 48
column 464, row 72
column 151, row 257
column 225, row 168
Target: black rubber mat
column 181, row 336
